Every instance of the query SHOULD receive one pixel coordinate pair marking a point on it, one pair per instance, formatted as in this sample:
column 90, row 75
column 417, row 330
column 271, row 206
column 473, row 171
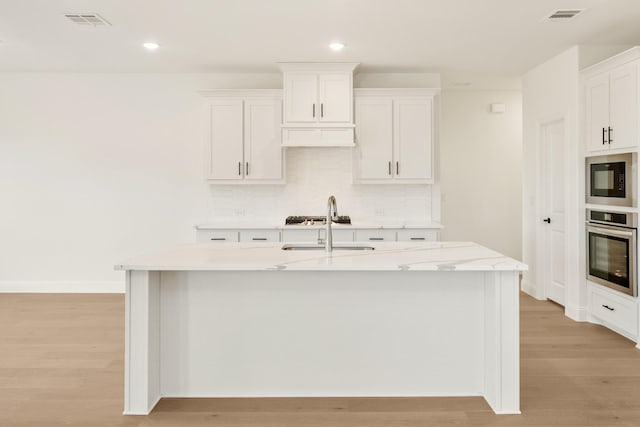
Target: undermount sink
column 317, row 247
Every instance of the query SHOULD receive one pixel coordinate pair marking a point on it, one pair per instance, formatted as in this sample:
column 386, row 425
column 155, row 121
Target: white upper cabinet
column 394, row 136
column 612, row 107
column 244, row 137
column 318, row 104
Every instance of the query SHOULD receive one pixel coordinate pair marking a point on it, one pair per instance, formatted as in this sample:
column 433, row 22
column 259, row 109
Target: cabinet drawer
column 614, row 310
column 308, row 235
column 259, row 236
column 408, row 235
column 217, row 235
column 311, row 235
column 375, row 235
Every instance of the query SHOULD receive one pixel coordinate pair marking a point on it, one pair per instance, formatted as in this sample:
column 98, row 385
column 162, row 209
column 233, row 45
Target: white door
column 225, row 139
column 412, row 139
column 553, row 167
column 334, row 97
column 374, row 133
column 623, row 107
column 301, row 96
column 597, row 93
column 262, row 140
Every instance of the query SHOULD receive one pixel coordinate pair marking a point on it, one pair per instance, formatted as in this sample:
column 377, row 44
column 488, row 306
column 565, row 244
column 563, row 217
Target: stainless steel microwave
column 610, row 179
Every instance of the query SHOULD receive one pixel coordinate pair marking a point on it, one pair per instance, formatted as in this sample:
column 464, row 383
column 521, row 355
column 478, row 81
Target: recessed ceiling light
column 150, row 45
column 336, row 46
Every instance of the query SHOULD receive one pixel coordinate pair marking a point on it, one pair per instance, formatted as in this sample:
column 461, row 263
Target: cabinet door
column 262, row 141
column 225, row 139
column 373, row 154
column 623, row 107
column 597, row 112
column 334, row 97
column 412, row 139
column 301, row 96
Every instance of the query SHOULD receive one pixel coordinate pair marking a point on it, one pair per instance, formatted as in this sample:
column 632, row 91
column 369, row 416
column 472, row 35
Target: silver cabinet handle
column 314, row 110
column 322, row 111
column 389, row 167
column 397, row 168
column 218, row 238
column 239, row 168
column 376, row 238
column 258, row 238
column 247, row 168
column 417, row 238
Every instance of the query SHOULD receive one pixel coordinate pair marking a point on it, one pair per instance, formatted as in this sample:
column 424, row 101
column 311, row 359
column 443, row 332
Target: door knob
column 548, row 220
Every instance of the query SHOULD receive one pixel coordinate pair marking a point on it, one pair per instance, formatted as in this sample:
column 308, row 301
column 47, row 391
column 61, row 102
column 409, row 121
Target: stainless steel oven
column 610, row 179
column 611, row 250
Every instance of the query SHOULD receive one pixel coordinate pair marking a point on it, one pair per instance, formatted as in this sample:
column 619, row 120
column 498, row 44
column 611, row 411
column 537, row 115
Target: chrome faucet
column 332, row 212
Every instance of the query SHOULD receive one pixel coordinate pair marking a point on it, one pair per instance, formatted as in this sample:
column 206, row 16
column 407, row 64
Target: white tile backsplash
column 313, row 174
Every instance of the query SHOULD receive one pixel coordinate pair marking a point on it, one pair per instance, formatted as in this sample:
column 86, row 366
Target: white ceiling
column 462, row 39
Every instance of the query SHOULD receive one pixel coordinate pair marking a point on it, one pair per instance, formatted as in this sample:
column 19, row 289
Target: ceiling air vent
column 563, row 15
column 87, row 19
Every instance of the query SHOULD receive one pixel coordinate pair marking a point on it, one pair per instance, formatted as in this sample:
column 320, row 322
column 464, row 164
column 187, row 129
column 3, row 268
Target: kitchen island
column 253, row 320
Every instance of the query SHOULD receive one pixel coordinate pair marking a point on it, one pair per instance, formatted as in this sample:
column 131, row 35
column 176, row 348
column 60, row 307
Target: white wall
column 95, row 168
column 480, row 162
column 550, row 92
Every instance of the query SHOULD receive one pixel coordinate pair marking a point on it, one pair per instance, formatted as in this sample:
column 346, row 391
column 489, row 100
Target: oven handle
column 613, row 231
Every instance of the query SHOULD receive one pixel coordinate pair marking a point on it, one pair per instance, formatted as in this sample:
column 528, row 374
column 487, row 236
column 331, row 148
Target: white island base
column 321, row 332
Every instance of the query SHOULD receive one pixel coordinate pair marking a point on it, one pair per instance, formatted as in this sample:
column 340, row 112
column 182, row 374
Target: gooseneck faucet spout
column 332, row 212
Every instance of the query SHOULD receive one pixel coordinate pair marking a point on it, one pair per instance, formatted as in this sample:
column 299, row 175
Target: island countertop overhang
column 387, row 256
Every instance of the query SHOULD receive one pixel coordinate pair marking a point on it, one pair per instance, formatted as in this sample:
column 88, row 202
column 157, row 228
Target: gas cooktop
column 315, row 220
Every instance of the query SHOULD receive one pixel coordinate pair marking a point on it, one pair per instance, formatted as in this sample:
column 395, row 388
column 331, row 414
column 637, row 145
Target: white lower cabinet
column 311, row 235
column 418, row 235
column 614, row 310
column 267, row 235
column 376, row 235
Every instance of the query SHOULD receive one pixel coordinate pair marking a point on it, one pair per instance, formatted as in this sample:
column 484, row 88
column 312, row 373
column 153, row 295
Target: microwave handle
column 610, row 231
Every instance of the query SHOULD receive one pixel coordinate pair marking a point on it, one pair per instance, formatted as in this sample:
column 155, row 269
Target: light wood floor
column 61, row 363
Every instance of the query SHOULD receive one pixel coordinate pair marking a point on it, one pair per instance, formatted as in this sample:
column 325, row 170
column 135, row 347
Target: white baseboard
column 83, row 287
column 579, row 314
column 531, row 290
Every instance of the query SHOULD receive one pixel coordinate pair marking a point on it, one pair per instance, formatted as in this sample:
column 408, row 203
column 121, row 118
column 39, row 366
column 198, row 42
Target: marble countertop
column 280, row 226
column 268, row 256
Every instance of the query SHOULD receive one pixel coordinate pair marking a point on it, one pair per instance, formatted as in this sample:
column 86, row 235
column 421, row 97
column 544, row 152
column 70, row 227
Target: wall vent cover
column 563, row 14
column 92, row 19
